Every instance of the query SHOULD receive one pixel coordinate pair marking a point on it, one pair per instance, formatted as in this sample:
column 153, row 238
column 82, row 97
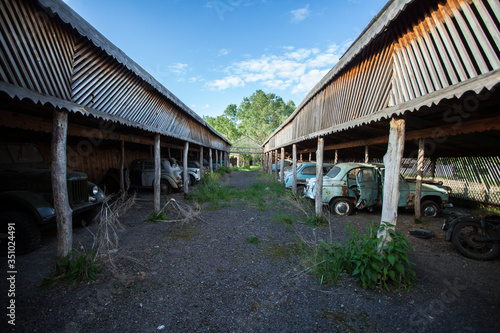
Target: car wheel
column 26, row 236
column 341, row 206
column 430, row 208
column 165, row 187
column 191, row 180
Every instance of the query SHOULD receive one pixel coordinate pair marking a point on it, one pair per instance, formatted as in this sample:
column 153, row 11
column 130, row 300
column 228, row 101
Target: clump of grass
column 74, row 268
column 315, row 220
column 210, row 190
column 252, row 240
column 282, row 217
column 364, row 257
column 156, row 217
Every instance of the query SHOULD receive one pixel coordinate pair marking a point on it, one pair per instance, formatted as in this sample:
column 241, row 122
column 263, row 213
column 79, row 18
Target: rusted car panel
column 360, row 185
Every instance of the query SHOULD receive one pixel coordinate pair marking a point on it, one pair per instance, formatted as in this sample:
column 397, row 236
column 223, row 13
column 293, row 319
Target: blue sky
column 214, row 53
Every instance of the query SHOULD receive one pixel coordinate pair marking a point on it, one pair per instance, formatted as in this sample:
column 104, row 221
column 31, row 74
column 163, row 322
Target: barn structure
column 50, row 58
column 426, row 71
column 88, row 106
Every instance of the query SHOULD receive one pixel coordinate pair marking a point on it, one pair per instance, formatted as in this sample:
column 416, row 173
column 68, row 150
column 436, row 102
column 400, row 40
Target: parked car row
column 360, row 185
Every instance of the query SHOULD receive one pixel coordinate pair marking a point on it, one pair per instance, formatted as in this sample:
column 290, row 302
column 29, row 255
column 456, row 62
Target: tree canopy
column 257, row 117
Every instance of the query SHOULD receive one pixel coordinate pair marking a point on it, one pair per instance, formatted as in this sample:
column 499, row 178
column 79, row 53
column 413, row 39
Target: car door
column 368, row 187
column 148, row 173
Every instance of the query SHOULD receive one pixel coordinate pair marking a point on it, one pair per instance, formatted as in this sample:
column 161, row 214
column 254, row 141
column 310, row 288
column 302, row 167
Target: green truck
column 360, row 185
column 26, row 200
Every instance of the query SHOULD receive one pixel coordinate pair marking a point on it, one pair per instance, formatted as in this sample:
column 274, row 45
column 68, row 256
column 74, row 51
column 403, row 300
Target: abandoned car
column 26, row 199
column 360, row 185
column 141, row 173
column 305, row 171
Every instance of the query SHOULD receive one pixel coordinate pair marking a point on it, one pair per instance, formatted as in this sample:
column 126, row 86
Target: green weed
column 315, row 220
column 252, row 240
column 73, row 268
column 156, row 216
column 362, row 257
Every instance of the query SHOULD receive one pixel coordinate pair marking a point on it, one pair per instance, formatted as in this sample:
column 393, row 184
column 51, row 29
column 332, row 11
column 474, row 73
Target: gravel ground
column 203, row 275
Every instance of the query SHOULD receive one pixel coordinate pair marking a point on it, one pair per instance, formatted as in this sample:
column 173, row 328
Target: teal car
column 360, row 185
column 305, row 171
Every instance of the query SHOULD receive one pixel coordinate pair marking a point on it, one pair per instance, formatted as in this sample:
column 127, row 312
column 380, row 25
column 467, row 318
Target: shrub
column 363, row 257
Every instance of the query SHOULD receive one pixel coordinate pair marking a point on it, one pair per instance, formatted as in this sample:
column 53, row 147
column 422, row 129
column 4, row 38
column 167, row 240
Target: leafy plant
column 156, row 216
column 287, row 218
column 253, row 240
column 315, row 220
column 74, row 268
column 363, row 257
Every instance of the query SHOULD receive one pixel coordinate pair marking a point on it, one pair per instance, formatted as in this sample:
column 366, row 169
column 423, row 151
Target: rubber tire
column 430, row 208
column 192, row 180
column 465, row 245
column 165, row 187
column 337, row 205
column 27, row 233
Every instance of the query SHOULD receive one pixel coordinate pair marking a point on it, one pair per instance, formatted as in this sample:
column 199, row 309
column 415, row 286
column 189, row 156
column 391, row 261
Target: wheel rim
column 430, row 211
column 163, row 188
column 341, row 208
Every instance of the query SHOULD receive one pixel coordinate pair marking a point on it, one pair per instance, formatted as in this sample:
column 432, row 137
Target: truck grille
column 77, row 192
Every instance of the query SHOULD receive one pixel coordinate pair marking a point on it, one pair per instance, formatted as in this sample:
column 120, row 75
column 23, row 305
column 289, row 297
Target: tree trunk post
column 276, row 161
column 185, row 173
column 216, row 159
column 294, row 168
column 201, row 161
column 367, row 155
column 418, row 185
column 319, row 177
column 270, row 162
column 392, row 161
column 433, row 167
column 60, row 184
column 336, row 157
column 122, row 167
column 210, row 161
column 157, row 183
column 282, row 167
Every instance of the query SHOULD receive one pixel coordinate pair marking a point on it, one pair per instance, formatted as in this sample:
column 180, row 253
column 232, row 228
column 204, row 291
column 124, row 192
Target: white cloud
column 223, row 52
column 179, row 68
column 295, row 69
column 300, row 14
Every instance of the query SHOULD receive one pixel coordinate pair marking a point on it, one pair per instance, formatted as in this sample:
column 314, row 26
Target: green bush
column 363, row 257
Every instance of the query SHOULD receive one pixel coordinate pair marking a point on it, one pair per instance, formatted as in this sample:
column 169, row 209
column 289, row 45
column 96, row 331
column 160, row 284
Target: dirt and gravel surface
column 204, row 276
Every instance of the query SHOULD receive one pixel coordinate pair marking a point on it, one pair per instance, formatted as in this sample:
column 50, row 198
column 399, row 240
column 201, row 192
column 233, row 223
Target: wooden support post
column 367, row 156
column 282, row 166
column 185, row 173
column 319, row 177
column 157, row 183
column 310, row 156
column 270, row 161
column 216, row 159
column 210, row 160
column 201, row 161
column 392, row 161
column 418, row 185
column 60, row 184
column 122, row 167
column 294, row 168
column 276, row 161
column 336, row 157
column 433, row 167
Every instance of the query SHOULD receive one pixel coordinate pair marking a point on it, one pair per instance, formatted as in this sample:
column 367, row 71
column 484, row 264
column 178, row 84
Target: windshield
column 20, row 154
column 333, row 172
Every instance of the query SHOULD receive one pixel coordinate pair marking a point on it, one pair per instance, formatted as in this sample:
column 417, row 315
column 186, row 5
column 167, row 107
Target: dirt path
column 205, row 275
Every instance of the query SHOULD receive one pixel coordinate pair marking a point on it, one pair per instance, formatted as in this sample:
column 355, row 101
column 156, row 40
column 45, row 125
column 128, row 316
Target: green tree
column 224, row 126
column 260, row 114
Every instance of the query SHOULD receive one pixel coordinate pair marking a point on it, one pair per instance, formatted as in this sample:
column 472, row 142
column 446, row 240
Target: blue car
column 304, row 172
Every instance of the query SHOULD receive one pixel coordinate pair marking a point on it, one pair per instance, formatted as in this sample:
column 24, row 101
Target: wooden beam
column 210, row 160
column 60, row 184
column 122, row 167
column 282, row 165
column 157, row 182
column 418, row 185
column 319, row 177
column 294, row 168
column 392, row 162
column 185, row 174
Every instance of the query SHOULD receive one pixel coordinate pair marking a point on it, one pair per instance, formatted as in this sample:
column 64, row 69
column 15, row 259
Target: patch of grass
column 156, row 217
column 282, row 217
column 210, row 190
column 363, row 257
column 74, row 268
column 315, row 220
column 252, row 240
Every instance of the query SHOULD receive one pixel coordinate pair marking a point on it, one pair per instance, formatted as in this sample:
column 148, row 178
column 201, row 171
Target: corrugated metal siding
column 36, row 53
column 41, row 54
column 430, row 46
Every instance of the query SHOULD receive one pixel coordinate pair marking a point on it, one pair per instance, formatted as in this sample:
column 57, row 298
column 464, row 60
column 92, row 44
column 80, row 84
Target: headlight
column 94, row 190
